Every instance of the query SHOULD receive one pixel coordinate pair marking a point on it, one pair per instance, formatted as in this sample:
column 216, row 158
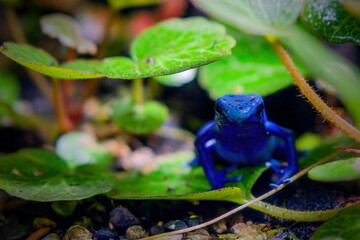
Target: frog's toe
column 195, row 162
column 275, row 165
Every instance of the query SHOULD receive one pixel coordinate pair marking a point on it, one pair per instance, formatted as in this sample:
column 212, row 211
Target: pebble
column 219, row 227
column 200, row 234
column 39, row 233
column 77, row 233
column 157, row 229
column 175, row 225
column 121, row 217
column 85, row 222
column 193, row 220
column 105, row 234
column 39, row 223
column 136, row 232
column 249, row 230
column 51, row 236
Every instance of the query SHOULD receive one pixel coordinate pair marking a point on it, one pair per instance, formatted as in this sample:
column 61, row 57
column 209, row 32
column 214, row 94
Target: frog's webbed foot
column 220, row 177
column 285, row 172
column 193, row 163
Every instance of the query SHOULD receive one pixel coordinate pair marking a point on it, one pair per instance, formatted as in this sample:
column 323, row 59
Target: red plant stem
column 311, row 95
column 64, row 122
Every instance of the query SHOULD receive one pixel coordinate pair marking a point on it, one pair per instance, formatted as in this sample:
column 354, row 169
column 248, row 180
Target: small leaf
column 341, row 170
column 172, row 46
column 42, row 62
column 67, row 31
column 177, row 79
column 39, row 175
column 322, row 63
column 9, row 88
column 80, row 148
column 253, row 16
column 346, row 226
column 331, row 21
column 122, row 4
column 138, row 118
column 253, row 67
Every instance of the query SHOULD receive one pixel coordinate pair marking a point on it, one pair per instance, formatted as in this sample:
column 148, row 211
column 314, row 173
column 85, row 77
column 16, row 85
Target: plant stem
column 17, row 34
column 64, row 122
column 310, row 94
column 138, row 90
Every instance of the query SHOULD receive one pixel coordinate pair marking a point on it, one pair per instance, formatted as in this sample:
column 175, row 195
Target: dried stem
column 311, row 95
column 64, row 122
column 17, row 34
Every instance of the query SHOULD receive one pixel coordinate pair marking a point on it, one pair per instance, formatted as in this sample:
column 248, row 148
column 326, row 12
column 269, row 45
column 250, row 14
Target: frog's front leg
column 290, row 153
column 205, row 146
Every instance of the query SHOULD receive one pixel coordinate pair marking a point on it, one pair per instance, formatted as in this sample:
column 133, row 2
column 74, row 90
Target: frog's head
column 240, row 110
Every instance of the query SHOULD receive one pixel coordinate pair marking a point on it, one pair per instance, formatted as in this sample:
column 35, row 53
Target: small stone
column 136, row 232
column 39, row 223
column 157, row 229
column 121, row 217
column 175, row 225
column 249, row 230
column 193, row 220
column 51, row 236
column 219, row 227
column 106, row 234
column 172, row 237
column 200, row 234
column 236, row 218
column 77, row 233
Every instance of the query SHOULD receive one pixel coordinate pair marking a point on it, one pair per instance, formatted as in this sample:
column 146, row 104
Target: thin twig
column 310, row 94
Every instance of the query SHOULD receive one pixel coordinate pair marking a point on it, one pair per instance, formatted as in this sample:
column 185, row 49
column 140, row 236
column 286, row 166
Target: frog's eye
column 217, row 108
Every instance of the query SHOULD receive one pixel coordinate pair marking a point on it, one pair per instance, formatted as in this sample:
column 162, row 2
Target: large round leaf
column 170, row 47
column 42, row 62
column 331, row 21
column 253, row 67
column 40, row 175
column 138, row 118
column 254, row 16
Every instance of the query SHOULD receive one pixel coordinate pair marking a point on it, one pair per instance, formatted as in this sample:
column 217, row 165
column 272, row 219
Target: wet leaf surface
column 329, row 19
column 40, row 175
column 346, row 226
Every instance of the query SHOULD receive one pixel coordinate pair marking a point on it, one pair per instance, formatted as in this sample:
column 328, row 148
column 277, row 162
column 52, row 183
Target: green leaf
column 80, row 148
column 42, row 62
column 138, row 118
column 9, row 88
column 172, row 181
column 40, row 175
column 67, row 31
column 121, row 4
column 346, row 226
column 322, row 63
column 254, row 16
column 177, row 79
column 329, row 19
column 172, row 46
column 253, row 67
column 341, row 170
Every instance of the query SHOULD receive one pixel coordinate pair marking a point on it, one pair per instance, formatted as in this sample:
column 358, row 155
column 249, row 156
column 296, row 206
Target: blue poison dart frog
column 241, row 135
